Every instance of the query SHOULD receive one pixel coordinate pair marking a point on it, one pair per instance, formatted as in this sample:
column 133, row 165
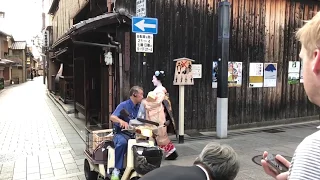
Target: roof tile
column 15, row 59
column 19, row 45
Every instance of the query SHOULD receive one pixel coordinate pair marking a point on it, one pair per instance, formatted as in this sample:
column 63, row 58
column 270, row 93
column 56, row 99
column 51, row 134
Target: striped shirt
column 305, row 164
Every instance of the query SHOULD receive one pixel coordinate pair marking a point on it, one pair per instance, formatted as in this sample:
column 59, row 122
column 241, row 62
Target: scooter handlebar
column 148, row 122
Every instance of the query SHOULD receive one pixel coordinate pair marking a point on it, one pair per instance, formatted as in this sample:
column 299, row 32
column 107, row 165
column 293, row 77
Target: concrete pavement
column 37, row 142
column 248, row 146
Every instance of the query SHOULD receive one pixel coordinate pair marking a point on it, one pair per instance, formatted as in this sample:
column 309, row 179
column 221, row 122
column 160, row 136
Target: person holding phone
column 305, row 162
column 270, row 171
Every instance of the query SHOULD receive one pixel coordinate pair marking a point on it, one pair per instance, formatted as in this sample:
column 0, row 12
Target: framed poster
column 214, row 74
column 293, row 72
column 234, row 74
column 256, row 75
column 197, row 71
column 270, row 75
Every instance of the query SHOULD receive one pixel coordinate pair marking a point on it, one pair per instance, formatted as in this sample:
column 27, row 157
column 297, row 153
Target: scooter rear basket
column 146, row 159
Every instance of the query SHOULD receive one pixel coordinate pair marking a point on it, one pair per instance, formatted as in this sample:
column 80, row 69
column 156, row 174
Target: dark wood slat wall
column 261, row 31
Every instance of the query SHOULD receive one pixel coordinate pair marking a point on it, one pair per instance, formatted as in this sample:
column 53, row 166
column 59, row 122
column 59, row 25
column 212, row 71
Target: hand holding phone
column 275, row 165
column 271, row 171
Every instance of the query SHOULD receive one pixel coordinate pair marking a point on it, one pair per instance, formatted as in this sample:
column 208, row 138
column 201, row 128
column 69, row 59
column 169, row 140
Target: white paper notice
column 256, row 75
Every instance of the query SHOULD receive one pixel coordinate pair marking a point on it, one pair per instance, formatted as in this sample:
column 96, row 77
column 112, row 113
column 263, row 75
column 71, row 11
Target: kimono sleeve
column 157, row 103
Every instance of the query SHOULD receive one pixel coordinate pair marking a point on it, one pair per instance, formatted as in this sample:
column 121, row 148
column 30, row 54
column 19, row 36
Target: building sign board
column 141, row 8
column 144, row 43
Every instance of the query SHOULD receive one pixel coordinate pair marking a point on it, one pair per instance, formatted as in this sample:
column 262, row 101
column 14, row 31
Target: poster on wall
column 214, row 74
column 234, row 74
column 270, row 74
column 293, row 72
column 301, row 73
column 197, row 71
column 256, row 75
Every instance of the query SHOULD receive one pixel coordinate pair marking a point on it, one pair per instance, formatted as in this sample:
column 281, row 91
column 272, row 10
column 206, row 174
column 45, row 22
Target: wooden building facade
column 261, row 31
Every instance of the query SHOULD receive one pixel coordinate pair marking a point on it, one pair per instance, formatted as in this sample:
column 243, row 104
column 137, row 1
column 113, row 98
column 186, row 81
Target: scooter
column 142, row 154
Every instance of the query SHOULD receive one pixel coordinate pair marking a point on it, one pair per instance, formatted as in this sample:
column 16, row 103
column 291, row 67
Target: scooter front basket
column 146, row 159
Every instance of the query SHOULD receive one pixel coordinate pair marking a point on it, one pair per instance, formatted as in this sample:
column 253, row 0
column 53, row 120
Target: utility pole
column 223, row 58
column 43, row 49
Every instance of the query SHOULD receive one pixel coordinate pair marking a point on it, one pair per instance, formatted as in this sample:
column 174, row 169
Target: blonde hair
column 309, row 34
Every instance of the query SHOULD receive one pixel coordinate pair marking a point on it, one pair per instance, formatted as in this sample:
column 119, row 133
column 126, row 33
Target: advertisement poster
column 294, row 72
column 234, row 74
column 256, row 75
column 301, row 73
column 214, row 74
column 270, row 74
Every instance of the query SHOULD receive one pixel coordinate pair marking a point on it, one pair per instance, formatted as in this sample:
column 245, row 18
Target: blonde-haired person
column 305, row 163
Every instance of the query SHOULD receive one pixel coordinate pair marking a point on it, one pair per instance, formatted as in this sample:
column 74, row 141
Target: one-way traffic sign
column 145, row 25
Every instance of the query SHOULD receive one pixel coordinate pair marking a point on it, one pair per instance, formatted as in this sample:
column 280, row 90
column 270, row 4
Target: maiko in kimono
column 158, row 109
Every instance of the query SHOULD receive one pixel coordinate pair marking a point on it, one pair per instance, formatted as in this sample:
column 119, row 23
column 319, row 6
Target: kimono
column 157, row 111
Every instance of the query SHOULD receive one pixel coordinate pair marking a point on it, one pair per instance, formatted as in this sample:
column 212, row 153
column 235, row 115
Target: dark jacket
column 176, row 173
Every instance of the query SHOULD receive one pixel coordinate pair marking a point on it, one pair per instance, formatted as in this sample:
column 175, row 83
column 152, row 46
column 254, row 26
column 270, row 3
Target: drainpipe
column 120, row 65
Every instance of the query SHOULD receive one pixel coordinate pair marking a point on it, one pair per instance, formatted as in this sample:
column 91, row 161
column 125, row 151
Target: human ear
column 316, row 67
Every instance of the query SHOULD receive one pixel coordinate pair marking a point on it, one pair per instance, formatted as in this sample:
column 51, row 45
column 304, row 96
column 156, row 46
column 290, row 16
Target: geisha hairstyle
column 160, row 75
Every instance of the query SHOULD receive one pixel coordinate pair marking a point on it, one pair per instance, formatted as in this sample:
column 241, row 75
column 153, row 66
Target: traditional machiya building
column 265, row 86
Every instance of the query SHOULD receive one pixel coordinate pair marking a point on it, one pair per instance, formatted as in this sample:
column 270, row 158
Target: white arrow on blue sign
column 145, row 25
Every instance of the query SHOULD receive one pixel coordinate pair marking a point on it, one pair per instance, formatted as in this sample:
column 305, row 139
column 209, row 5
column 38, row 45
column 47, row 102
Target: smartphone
column 276, row 165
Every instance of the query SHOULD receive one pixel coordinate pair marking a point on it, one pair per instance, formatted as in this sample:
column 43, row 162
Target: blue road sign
column 145, row 25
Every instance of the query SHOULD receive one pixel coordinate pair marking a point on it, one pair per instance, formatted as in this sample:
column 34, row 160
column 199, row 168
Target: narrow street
column 36, row 142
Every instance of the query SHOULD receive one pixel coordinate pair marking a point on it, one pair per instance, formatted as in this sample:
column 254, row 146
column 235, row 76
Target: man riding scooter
column 121, row 122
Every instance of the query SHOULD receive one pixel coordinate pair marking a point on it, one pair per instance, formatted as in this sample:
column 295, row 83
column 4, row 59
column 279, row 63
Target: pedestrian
column 31, row 75
column 215, row 162
column 155, row 111
column 305, row 162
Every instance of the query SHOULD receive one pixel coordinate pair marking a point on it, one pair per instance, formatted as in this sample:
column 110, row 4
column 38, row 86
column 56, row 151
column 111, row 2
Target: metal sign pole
column 182, row 76
column 223, row 54
column 181, row 114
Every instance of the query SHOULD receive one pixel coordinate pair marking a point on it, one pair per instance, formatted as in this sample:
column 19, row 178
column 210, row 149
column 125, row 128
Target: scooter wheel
column 90, row 175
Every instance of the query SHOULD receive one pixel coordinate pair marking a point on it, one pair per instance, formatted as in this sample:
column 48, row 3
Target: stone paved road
column 36, row 142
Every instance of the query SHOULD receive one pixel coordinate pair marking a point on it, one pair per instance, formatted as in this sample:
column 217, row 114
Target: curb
column 239, row 132
column 66, row 115
column 57, row 101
